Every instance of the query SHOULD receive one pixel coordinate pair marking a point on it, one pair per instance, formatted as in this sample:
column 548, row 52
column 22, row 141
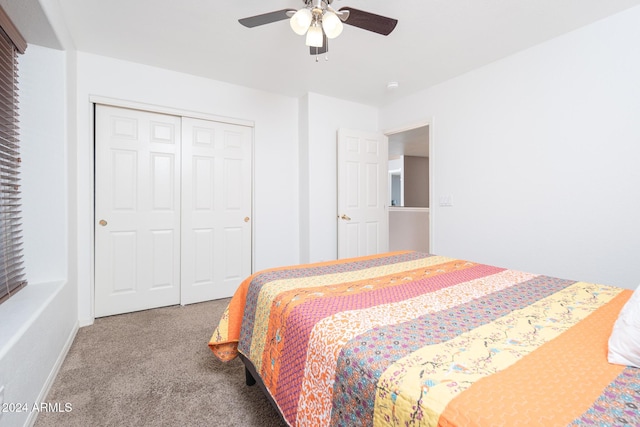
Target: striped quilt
column 412, row 339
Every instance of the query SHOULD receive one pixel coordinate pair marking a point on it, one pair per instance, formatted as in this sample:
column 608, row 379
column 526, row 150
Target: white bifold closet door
column 172, row 209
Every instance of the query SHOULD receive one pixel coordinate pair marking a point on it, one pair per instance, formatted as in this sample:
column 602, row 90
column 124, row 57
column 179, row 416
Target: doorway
column 409, row 189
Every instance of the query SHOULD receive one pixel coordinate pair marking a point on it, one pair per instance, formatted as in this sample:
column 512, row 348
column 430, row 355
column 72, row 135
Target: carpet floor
column 153, row 368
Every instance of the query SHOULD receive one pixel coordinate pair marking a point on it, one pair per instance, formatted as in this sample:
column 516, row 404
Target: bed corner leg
column 249, row 378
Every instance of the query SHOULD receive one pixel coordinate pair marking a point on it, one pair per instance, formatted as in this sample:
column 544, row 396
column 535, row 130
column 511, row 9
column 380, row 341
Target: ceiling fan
column 319, row 21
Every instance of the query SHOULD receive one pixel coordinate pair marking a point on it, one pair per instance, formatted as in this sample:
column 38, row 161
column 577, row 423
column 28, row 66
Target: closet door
column 216, row 206
column 137, row 196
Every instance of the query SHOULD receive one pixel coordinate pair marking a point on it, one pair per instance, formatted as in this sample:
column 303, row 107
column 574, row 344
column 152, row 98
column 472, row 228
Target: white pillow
column 624, row 342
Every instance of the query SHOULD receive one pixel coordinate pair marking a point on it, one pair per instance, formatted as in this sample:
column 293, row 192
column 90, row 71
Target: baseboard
column 86, row 322
column 42, row 397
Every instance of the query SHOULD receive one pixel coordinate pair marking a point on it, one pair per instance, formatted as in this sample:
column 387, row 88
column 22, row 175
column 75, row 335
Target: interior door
column 363, row 224
column 137, row 231
column 216, row 206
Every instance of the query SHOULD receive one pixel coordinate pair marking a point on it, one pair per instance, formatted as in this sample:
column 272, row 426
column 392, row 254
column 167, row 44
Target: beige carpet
column 153, row 368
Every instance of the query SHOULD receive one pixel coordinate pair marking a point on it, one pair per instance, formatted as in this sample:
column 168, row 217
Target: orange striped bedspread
column 413, row 339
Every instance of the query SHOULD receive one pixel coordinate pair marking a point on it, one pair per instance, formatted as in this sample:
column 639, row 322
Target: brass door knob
column 102, row 222
column 345, row 217
column 246, row 219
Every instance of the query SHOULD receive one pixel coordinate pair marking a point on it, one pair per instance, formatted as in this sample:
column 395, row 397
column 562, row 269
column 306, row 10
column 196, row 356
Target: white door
column 216, row 206
column 363, row 224
column 137, row 231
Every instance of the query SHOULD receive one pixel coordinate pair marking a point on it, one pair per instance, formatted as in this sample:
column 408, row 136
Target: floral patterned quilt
column 413, row 339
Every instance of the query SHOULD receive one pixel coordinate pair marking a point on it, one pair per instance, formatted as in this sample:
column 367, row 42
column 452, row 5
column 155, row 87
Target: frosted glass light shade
column 314, row 36
column 300, row 21
column 331, row 24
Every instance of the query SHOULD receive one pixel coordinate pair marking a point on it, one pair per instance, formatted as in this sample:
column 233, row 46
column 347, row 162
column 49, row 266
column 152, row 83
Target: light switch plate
column 446, row 200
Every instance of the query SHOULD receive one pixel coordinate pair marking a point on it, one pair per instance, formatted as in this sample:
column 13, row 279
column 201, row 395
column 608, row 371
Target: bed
column 414, row 339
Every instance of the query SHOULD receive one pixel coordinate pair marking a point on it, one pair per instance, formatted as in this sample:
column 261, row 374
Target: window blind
column 12, row 276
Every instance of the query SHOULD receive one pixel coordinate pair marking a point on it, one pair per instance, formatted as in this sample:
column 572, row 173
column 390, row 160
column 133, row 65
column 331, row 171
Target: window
column 12, row 277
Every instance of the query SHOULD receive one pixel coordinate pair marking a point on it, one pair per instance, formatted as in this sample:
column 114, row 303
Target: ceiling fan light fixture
column 321, row 22
column 300, row 21
column 314, row 36
column 331, row 24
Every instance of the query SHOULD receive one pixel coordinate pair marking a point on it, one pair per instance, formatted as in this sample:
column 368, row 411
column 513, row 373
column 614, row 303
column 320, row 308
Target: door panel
column 123, row 259
column 204, row 249
column 163, row 176
column 372, row 185
column 163, row 242
column 124, row 173
column 137, row 254
column 362, row 189
column 216, row 199
column 233, row 248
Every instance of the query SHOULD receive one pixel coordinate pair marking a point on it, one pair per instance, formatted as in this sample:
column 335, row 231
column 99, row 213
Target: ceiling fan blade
column 370, row 21
column 265, row 18
column 320, row 50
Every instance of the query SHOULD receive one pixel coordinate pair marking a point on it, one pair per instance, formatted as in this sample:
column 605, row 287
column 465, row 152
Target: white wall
column 44, row 167
column 540, row 153
column 304, row 178
column 325, row 115
column 275, row 217
column 38, row 324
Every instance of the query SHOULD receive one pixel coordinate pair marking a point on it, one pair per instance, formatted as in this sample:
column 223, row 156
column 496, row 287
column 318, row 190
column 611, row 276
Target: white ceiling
column 435, row 39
